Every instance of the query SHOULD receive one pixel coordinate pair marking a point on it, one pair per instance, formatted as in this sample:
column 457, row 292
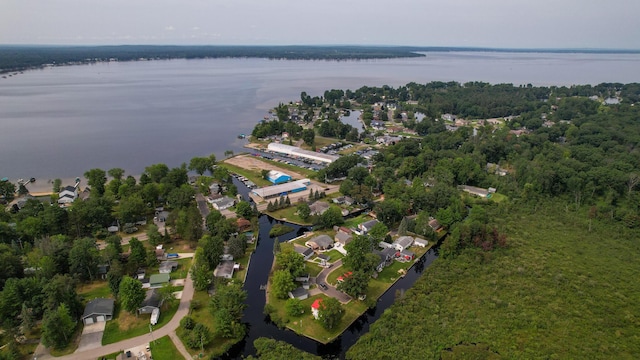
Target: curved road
column 168, row 329
column 331, row 290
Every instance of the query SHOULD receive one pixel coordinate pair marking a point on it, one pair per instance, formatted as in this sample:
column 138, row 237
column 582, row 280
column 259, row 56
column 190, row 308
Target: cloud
column 169, row 28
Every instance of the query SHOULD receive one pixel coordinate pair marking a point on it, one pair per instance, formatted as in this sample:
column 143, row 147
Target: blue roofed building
column 278, row 177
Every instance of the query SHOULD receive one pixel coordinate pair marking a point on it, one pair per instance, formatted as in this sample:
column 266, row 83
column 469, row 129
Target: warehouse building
column 282, row 189
column 296, row 151
column 278, row 177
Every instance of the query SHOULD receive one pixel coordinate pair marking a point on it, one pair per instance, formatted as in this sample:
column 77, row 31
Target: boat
column 242, row 136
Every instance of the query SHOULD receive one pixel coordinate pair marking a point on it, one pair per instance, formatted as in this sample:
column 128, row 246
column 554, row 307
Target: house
column 306, row 252
column 434, row 224
column 159, row 254
column 98, row 310
column 346, row 200
column 405, row 255
column 223, row 203
column 68, row 194
column 403, row 242
column 386, row 258
column 304, row 280
column 315, row 308
column 161, row 216
column 344, row 276
column 324, row 259
column 157, row 280
column 225, row 269
column 367, row 226
column 343, row 237
column 420, row 242
column 385, row 245
column 299, row 293
column 214, row 188
column 140, row 274
column 278, row 177
column 85, row 194
column 484, row 193
column 318, row 207
column 167, row 267
column 151, row 301
column 243, row 224
column 321, row 242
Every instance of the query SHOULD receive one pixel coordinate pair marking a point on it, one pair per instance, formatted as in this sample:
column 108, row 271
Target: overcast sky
column 483, row 23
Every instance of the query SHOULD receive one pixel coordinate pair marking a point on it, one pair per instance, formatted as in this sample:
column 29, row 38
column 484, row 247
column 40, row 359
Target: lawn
column 95, row 289
column 312, row 268
column 125, row 325
column 334, row 254
column 252, row 175
column 201, row 314
column 164, row 349
column 183, row 269
column 244, row 263
column 111, row 356
column 290, row 214
column 354, row 222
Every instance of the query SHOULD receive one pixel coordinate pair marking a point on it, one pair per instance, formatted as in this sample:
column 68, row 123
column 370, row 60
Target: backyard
column 126, row 325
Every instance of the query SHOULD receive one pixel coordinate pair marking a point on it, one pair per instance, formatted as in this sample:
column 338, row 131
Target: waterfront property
column 320, row 242
column 282, row 189
column 298, row 152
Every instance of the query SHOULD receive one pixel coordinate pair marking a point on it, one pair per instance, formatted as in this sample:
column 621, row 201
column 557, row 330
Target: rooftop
column 98, row 306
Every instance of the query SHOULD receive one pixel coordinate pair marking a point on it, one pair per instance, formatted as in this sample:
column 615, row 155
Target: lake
column 62, row 121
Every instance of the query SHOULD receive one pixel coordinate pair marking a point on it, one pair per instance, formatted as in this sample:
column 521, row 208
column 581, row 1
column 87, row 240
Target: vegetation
column 164, row 349
column 279, row 230
column 269, row 349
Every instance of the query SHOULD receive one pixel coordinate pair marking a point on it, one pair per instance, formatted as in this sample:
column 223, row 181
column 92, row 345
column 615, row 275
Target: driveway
column 331, row 290
column 91, row 337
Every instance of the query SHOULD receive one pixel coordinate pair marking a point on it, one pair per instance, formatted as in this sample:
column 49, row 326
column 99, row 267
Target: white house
column 403, row 242
column 420, row 242
column 223, row 203
column 68, row 194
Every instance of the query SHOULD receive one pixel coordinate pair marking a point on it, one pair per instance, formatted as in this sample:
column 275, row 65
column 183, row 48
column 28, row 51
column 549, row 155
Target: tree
column 276, row 246
column 57, row 327
column 167, row 295
column 294, row 307
column 189, row 223
column 200, row 271
column 131, row 294
column 212, row 249
column 356, row 284
column 212, row 219
column 131, row 209
column 244, row 209
column 84, row 258
column 378, row 232
column 270, row 349
column 137, row 255
column 156, row 172
column 199, row 337
column 303, row 210
column 153, row 234
column 27, row 321
column 359, row 255
column 97, row 178
column 200, row 165
column 330, row 313
column 114, row 277
column 237, row 246
column 282, row 283
column 116, row 173
column 7, row 190
column 331, row 218
column 57, row 183
column 61, row 289
column 10, row 264
column 308, row 136
column 230, row 297
column 290, row 261
column 181, row 197
column 113, row 249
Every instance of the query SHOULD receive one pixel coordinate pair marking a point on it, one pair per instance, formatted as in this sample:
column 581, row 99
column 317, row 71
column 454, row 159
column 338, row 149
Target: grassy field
column 252, row 175
column 125, row 325
column 112, row 356
column 95, row 289
column 164, row 349
column 559, row 291
column 290, row 214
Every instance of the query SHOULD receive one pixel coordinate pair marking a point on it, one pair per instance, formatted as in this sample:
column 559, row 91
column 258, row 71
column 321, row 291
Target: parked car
column 172, row 256
column 323, row 286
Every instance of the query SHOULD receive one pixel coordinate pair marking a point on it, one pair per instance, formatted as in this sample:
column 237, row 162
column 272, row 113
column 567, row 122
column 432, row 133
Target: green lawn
column 183, row 269
column 244, row 263
column 313, row 269
column 125, row 325
column 354, row 222
column 290, row 214
column 334, row 254
column 164, row 349
column 95, row 289
column 111, row 356
column 252, row 175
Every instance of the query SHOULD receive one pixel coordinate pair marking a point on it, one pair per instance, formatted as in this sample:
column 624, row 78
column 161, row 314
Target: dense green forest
column 16, row 58
column 543, row 268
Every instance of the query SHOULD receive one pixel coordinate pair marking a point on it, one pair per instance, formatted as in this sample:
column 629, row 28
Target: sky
column 609, row 24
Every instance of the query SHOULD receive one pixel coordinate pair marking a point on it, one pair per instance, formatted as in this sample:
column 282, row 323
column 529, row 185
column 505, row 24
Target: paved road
column 168, row 329
column 331, row 290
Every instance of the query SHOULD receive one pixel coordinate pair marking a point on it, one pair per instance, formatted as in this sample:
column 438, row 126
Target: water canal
column 259, row 325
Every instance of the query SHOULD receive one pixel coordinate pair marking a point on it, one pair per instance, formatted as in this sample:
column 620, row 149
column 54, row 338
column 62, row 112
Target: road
column 331, row 290
column 168, row 329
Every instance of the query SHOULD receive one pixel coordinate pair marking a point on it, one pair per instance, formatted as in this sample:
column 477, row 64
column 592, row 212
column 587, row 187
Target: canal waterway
column 259, row 325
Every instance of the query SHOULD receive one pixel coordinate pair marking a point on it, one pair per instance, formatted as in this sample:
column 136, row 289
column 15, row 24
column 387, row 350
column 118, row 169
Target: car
column 173, row 256
column 323, row 286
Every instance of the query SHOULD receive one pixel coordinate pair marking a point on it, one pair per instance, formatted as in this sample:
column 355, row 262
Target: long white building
column 296, row 151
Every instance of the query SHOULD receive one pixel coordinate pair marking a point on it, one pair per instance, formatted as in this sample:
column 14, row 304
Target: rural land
column 527, row 197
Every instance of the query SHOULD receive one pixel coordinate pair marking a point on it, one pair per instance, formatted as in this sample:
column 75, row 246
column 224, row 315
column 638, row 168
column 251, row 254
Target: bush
column 187, row 323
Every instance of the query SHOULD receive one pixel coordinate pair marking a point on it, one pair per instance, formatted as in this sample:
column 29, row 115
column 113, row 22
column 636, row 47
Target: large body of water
column 60, row 122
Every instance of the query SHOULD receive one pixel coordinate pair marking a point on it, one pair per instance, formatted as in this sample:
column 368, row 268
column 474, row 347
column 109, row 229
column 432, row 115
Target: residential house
column 315, row 308
column 448, row 117
column 306, row 252
column 167, row 267
column 403, row 242
column 161, row 215
column 103, row 269
column 225, row 269
column 386, row 258
column 346, row 200
column 321, row 242
column 343, row 237
column 140, row 274
column 367, row 226
column 305, row 280
column 485, row 193
column 385, row 245
column 223, row 203
column 420, row 242
column 158, row 280
column 151, row 301
column 159, row 254
column 243, row 224
column 405, row 255
column 318, row 207
column 215, row 188
column 299, row 293
column 324, row 259
column 98, row 310
column 434, row 224
column 68, row 194
column 85, row 194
